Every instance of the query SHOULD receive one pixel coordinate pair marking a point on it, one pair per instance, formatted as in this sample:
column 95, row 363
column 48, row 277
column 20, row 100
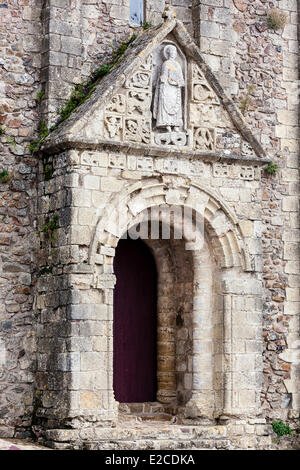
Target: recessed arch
column 221, row 222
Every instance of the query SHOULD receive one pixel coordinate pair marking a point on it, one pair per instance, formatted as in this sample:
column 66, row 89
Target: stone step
column 156, row 417
column 138, row 431
column 155, row 435
column 164, row 444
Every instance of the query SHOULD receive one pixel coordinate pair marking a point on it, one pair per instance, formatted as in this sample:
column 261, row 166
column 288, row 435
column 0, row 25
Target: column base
column 197, row 409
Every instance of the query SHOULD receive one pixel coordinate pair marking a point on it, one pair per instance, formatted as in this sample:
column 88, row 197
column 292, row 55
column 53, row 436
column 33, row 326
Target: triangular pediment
column 162, row 96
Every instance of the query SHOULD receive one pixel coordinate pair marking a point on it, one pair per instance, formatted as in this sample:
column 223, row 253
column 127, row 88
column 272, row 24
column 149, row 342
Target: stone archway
column 225, row 363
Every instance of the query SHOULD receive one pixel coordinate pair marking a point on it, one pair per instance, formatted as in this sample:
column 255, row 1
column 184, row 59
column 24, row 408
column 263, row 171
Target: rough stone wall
column 55, row 355
column 20, row 61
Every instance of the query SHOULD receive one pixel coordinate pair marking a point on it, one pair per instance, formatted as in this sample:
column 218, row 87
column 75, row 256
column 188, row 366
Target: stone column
column 201, row 405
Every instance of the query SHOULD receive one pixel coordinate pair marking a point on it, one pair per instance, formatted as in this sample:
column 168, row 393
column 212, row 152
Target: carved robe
column 167, row 107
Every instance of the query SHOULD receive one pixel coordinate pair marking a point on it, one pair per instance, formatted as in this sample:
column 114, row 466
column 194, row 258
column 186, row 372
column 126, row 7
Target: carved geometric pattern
column 173, row 138
column 204, row 139
column 145, row 163
column 197, row 167
column 204, row 112
column 128, row 115
column 246, row 173
column 117, row 161
column 221, row 170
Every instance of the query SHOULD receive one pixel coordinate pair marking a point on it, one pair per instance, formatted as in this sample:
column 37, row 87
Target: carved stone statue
column 167, row 106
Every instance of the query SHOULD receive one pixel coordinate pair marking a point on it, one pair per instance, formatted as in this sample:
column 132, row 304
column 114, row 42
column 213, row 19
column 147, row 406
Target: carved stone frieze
column 171, row 138
column 117, row 161
column 144, row 164
column 200, row 112
column 128, row 114
column 247, row 173
column 221, row 170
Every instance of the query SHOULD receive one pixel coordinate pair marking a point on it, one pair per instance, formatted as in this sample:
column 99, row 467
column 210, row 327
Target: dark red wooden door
column 134, row 330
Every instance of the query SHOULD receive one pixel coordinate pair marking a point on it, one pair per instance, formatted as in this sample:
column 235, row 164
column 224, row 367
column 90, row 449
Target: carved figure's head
column 170, row 52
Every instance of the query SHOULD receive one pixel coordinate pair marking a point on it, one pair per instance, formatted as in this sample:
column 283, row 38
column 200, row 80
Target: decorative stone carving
column 204, row 139
column 246, row 173
column 113, row 127
column 141, row 79
column 167, row 106
column 117, row 161
column 201, row 112
column 117, row 104
column 138, row 103
column 221, row 170
column 197, row 167
column 151, row 108
column 128, row 114
column 170, row 138
column 137, row 130
column 201, row 90
column 169, row 96
column 145, row 163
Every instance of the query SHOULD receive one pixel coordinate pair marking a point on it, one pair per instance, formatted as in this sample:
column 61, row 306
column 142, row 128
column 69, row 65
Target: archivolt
column 221, row 224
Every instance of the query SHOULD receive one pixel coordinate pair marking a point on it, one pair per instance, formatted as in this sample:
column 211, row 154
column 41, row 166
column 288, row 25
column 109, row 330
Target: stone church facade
column 176, row 136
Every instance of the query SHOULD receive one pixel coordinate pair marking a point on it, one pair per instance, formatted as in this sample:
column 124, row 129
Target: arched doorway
column 135, row 323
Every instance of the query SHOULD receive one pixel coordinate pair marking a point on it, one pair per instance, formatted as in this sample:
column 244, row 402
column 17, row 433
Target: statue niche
column 168, row 103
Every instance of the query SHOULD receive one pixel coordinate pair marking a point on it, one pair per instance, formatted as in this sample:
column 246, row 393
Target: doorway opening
column 135, row 323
